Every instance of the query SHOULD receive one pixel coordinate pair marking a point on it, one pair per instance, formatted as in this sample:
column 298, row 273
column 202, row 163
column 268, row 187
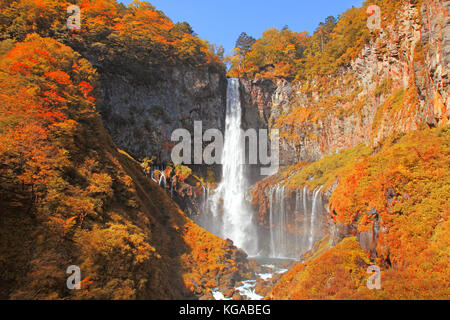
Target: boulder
column 228, row 293
column 237, row 296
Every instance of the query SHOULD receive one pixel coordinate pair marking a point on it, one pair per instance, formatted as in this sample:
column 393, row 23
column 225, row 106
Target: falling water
column 294, row 229
column 298, row 199
column 305, row 215
column 271, row 225
column 205, row 199
column 162, row 179
column 278, row 221
column 316, row 196
column 237, row 219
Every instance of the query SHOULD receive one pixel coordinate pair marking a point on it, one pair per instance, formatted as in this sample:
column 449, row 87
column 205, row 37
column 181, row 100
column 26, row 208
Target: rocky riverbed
column 267, row 272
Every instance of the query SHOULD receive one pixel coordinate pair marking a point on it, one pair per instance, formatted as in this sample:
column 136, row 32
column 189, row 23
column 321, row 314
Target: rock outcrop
column 141, row 116
column 398, row 83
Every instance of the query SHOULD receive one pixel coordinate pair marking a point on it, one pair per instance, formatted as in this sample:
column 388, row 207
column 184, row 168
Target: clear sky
column 220, row 22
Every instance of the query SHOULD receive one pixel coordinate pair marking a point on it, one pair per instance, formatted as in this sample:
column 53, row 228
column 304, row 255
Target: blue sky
column 220, row 22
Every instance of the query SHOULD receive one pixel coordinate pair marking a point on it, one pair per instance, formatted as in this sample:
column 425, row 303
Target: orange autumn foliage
column 69, row 197
column 207, row 257
column 114, row 34
column 340, row 274
column 297, row 55
column 407, row 182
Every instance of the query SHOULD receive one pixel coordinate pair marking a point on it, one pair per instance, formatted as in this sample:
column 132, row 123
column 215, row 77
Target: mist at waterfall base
column 295, row 221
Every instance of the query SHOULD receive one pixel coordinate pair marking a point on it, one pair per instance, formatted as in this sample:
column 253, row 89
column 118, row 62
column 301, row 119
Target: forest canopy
column 298, row 55
column 134, row 38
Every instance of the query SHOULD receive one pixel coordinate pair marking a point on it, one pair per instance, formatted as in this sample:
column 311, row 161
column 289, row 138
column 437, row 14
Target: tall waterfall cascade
column 295, row 218
column 231, row 217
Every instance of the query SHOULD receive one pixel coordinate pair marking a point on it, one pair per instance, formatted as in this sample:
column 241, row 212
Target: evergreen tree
column 244, row 43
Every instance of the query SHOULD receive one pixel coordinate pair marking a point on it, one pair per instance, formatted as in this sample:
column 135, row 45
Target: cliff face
column 436, row 36
column 398, row 83
column 142, row 116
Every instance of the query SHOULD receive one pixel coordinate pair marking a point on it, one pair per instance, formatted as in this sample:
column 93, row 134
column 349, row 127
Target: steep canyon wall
column 398, row 83
column 142, row 116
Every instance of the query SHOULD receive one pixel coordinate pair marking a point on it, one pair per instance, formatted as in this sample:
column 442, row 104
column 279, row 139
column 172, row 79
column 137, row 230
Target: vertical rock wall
column 398, row 83
column 141, row 116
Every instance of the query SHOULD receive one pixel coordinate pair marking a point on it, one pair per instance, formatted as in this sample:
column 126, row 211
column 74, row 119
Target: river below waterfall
column 270, row 270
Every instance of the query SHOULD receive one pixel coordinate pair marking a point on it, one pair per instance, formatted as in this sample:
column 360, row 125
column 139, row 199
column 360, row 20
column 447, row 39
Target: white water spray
column 316, row 196
column 294, row 226
column 162, row 180
column 237, row 218
column 305, row 216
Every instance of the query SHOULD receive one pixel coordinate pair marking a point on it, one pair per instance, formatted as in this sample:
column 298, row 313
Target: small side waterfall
column 277, row 222
column 205, row 199
column 305, row 217
column 298, row 225
column 271, row 228
column 315, row 206
column 295, row 223
column 162, row 180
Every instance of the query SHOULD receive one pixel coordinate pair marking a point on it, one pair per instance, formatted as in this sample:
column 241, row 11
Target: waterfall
column 237, row 218
column 205, row 198
column 152, row 176
column 162, row 179
column 316, row 196
column 295, row 222
column 271, row 225
column 278, row 222
column 298, row 199
column 281, row 234
column 305, row 216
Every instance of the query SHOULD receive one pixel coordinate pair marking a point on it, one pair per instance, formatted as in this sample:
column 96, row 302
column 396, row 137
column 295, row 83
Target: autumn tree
column 138, row 38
